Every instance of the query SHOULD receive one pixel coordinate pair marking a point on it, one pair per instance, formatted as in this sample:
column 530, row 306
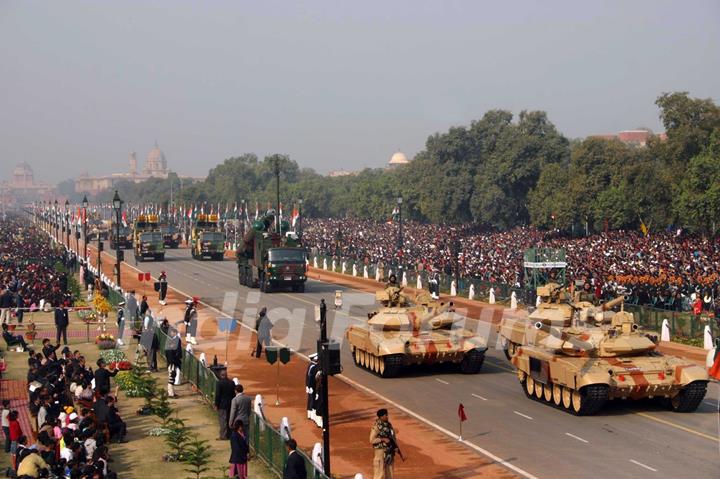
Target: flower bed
column 112, row 355
column 121, row 365
column 105, row 344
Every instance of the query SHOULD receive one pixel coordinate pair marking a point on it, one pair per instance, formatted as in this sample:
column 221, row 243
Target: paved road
column 625, row 440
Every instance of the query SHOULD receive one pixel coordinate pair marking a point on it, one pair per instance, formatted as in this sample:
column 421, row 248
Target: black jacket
column 224, row 394
column 295, row 467
column 61, row 317
column 238, row 448
column 102, row 379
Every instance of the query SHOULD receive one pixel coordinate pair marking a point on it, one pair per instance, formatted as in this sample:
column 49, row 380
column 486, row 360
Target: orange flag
column 715, row 369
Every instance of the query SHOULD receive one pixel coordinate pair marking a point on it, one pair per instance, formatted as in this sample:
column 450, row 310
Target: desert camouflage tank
column 577, row 356
column 423, row 331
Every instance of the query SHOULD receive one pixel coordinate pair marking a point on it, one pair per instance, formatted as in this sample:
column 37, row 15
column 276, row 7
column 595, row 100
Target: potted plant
column 31, row 333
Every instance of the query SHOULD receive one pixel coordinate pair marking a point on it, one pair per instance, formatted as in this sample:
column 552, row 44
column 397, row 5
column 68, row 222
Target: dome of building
column 155, row 163
column 23, row 175
column 398, row 158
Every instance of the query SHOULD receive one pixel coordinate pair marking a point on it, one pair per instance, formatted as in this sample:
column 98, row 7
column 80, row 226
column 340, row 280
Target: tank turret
column 407, row 331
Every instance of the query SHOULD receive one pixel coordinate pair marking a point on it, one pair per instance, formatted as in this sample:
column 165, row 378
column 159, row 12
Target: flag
column 715, row 369
column 257, row 208
column 394, row 216
column 235, row 212
column 124, row 220
column 295, row 215
column 643, row 228
column 461, row 413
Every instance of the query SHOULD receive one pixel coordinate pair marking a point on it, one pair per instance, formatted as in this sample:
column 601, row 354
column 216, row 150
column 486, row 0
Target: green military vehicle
column 171, row 235
column 148, row 239
column 121, row 238
column 269, row 259
column 208, row 242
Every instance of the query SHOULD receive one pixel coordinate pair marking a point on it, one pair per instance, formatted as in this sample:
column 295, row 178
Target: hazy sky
column 334, row 84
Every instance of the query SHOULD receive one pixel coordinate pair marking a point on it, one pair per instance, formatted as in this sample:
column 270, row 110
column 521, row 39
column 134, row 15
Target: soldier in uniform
column 318, row 402
column 162, row 293
column 382, row 439
column 190, row 317
column 173, row 354
column 310, row 386
column 434, row 284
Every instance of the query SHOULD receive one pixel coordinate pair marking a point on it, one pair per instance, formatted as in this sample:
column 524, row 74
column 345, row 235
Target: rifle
column 393, row 447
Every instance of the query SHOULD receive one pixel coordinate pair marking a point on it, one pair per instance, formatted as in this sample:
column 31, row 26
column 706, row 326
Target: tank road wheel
column 539, row 390
column 566, row 397
column 381, row 365
column 589, row 399
column 557, row 394
column 529, row 386
column 472, row 361
column 521, row 376
column 393, row 365
column 548, row 392
column 509, row 349
column 689, row 397
column 372, row 362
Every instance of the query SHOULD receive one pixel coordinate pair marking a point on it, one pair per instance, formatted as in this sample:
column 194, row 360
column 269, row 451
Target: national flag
column 643, row 228
column 394, row 215
column 715, row 369
column 461, row 413
column 189, row 212
column 124, row 220
column 235, row 212
column 295, row 215
column 257, row 210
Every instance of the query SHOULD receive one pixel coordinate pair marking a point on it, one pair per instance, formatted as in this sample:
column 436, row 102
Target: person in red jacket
column 15, row 433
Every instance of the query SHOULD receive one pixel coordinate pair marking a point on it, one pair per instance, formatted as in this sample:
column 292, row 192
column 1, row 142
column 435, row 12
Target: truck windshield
column 286, row 256
column 151, row 237
column 209, row 236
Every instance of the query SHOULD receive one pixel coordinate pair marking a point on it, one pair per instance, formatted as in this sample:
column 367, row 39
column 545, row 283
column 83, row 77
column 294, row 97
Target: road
column 625, row 440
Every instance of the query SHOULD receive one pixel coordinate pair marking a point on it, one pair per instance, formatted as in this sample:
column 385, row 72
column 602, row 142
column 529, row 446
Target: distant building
column 23, row 188
column 638, row 138
column 155, row 167
column 397, row 159
column 336, row 173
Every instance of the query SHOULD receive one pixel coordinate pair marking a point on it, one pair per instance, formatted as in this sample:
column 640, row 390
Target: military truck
column 148, row 239
column 422, row 331
column 271, row 259
column 577, row 356
column 171, row 235
column 124, row 239
column 207, row 241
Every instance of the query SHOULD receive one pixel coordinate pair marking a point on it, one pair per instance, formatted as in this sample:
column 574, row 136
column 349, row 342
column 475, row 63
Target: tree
column 197, row 455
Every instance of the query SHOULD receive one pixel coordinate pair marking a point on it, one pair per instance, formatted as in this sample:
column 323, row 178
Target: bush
column 176, row 438
column 112, row 355
column 197, row 455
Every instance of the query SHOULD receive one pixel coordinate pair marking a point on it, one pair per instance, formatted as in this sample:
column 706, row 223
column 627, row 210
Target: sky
column 333, row 84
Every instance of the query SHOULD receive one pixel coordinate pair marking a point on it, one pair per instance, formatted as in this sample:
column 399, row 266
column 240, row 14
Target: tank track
column 393, row 365
column 385, row 366
column 689, row 397
column 592, row 398
column 472, row 361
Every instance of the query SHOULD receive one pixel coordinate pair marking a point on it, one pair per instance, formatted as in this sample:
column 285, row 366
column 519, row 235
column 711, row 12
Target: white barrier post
column 471, row 294
column 665, row 333
column 513, row 300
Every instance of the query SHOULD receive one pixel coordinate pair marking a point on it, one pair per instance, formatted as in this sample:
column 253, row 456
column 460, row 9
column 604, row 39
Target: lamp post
column 84, row 221
column 456, row 259
column 57, row 223
column 117, row 206
column 67, row 223
column 277, row 193
column 323, row 346
column 300, row 231
column 400, row 230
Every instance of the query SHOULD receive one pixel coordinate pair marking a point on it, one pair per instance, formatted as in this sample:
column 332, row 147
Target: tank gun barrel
column 612, row 303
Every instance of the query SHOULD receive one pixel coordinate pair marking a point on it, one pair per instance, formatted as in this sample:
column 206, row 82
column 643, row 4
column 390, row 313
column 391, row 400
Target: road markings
column 396, row 405
column 479, row 397
column 441, row 381
column 677, row 426
column 576, row 437
column 643, row 465
column 523, row 415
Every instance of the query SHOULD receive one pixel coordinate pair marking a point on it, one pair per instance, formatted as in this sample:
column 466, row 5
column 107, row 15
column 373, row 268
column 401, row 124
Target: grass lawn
column 142, row 455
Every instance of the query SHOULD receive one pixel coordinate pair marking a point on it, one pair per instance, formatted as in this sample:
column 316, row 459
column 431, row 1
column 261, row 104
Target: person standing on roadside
column 173, row 355
column 382, row 439
column 263, row 325
column 238, row 451
column 162, row 293
column 240, row 408
column 224, row 394
column 61, row 323
column 6, row 423
column 295, row 465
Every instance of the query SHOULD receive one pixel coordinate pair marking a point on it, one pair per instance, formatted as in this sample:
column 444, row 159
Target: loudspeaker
column 101, row 246
column 329, row 357
column 121, row 255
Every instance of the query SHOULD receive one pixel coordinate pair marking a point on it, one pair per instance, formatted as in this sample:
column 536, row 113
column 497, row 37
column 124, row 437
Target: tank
column 404, row 332
column 577, row 357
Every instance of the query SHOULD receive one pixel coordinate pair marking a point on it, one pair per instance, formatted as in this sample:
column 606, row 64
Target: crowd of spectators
column 73, row 416
column 664, row 269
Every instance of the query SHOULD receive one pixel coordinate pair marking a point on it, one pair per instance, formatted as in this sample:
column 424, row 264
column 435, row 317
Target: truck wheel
column 689, row 397
column 301, row 288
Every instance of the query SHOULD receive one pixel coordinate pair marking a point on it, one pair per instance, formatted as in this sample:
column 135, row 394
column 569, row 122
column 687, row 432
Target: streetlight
column 300, row 203
column 329, row 359
column 400, row 231
column 57, row 223
column 277, row 193
column 117, row 205
column 85, row 206
column 66, row 226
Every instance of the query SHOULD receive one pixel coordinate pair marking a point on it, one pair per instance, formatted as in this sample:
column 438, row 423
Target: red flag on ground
column 715, row 369
column 461, row 413
column 147, row 276
column 140, row 277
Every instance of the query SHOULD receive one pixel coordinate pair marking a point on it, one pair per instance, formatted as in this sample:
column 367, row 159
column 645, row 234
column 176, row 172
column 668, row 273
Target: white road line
column 396, row 405
column 576, row 437
column 523, row 415
column 441, row 381
column 643, row 465
column 479, row 397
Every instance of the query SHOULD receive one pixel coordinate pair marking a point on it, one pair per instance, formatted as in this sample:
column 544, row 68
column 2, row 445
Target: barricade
column 264, row 440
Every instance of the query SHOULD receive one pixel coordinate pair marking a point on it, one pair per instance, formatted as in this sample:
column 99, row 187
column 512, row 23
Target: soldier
column 434, row 284
column 382, row 439
column 162, row 279
column 190, row 317
column 173, row 355
column 318, row 402
column 392, row 282
column 310, row 385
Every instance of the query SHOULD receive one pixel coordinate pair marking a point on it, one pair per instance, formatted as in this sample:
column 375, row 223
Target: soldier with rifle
column 382, row 438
